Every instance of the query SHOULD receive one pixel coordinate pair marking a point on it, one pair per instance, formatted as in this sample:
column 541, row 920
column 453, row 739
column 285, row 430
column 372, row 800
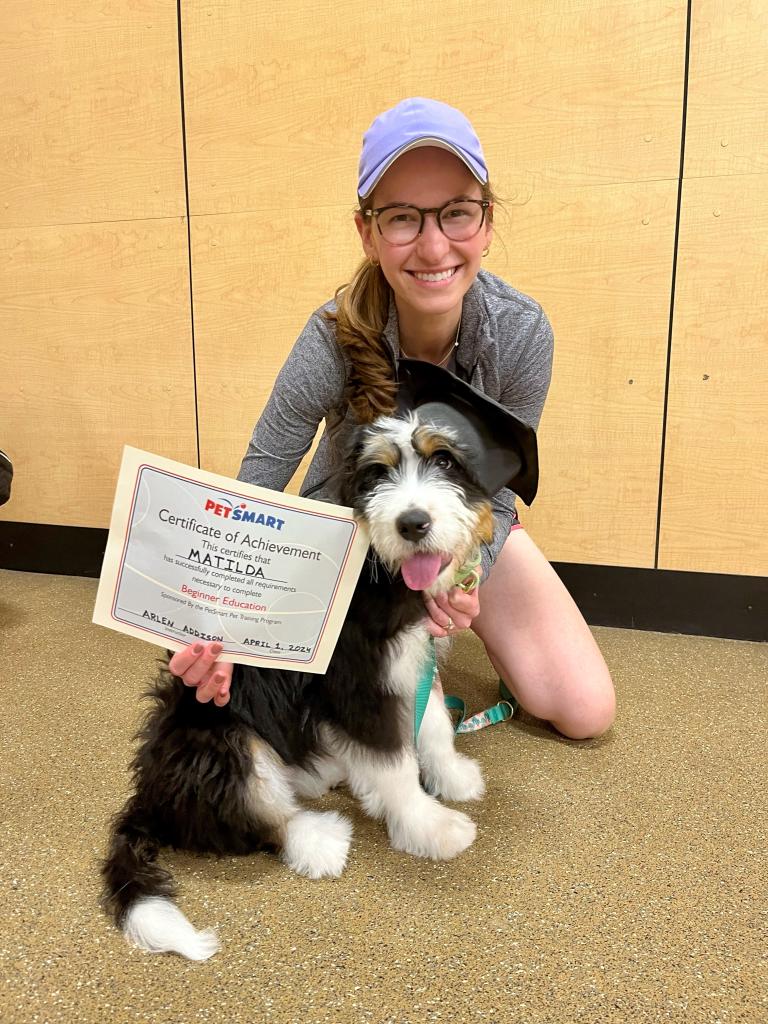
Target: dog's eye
column 374, row 472
column 443, row 460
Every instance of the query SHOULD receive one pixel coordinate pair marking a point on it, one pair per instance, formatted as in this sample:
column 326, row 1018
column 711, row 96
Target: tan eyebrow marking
column 426, row 440
column 381, row 451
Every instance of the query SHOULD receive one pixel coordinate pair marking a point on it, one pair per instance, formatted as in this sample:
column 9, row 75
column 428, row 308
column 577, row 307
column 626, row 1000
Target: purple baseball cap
column 413, row 123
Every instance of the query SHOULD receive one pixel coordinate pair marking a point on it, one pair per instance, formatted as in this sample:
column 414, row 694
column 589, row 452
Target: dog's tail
column 139, row 894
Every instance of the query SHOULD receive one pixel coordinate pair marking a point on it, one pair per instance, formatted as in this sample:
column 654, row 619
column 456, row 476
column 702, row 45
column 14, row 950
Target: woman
column 426, row 221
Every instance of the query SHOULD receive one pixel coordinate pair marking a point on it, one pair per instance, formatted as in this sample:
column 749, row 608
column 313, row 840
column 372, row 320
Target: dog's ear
column 351, row 476
column 355, row 443
column 336, row 483
column 504, row 450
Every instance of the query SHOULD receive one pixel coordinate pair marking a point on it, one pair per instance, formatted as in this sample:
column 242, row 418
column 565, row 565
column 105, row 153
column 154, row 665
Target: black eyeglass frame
column 484, row 204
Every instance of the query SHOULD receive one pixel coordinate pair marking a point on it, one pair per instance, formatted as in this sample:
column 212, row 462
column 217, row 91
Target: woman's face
column 426, row 177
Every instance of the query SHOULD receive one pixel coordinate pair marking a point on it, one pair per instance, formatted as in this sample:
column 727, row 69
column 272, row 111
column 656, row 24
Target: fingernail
column 217, row 648
column 197, row 649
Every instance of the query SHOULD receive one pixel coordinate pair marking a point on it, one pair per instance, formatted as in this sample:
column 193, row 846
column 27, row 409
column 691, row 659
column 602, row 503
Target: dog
column 229, row 780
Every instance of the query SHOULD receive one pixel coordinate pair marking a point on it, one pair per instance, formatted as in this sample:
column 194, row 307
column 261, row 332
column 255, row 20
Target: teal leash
column 424, row 688
column 467, row 579
column 500, row 712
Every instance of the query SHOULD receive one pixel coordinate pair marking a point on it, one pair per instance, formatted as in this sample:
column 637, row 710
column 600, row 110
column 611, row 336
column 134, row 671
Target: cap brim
column 372, row 179
column 503, row 450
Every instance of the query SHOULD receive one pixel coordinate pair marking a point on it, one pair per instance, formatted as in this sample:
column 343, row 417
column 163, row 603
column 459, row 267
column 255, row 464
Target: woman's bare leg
column 540, row 645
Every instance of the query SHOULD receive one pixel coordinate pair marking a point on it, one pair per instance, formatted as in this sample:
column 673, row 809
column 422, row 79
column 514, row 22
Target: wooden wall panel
column 579, row 108
column 91, row 112
column 95, row 332
column 727, row 121
column 599, row 260
column 94, row 322
column 278, row 96
column 715, row 498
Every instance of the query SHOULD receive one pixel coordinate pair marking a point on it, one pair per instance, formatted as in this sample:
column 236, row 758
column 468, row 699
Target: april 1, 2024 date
column 290, row 648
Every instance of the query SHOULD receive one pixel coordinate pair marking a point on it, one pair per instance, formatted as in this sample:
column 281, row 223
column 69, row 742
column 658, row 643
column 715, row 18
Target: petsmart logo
column 224, row 508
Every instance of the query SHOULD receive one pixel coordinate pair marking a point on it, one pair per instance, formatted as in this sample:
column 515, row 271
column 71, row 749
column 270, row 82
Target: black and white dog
column 229, row 780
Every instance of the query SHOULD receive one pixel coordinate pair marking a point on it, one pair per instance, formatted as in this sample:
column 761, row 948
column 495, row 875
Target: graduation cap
column 502, row 449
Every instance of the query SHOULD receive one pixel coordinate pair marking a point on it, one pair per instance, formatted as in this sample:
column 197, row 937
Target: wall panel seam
column 189, row 229
column 681, row 178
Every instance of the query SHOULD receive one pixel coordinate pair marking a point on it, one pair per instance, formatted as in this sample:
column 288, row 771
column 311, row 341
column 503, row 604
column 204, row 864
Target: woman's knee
column 588, row 717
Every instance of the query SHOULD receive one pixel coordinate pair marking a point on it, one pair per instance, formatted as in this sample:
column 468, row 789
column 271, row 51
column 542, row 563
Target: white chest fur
column 406, row 658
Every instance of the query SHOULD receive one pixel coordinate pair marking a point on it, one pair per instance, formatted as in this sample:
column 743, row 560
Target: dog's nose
column 413, row 524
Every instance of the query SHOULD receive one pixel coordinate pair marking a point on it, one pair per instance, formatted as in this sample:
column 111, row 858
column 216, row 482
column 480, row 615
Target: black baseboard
column 699, row 603
column 668, row 601
column 62, row 550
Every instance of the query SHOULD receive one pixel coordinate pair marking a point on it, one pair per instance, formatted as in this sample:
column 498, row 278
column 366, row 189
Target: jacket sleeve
column 523, row 391
column 308, row 387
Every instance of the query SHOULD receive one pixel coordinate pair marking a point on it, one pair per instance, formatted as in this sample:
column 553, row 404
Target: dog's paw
column 316, row 845
column 456, row 778
column 437, row 832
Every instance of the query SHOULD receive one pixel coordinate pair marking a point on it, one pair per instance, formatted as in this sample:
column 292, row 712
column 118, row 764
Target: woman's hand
column 452, row 611
column 196, row 666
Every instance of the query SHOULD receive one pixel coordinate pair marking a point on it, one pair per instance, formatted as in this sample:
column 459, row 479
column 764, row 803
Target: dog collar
column 467, row 576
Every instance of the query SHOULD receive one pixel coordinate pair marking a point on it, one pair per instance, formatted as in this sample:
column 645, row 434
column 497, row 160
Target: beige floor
column 617, row 880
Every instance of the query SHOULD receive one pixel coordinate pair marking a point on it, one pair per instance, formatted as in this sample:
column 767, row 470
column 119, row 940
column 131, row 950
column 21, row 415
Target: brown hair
column 362, row 308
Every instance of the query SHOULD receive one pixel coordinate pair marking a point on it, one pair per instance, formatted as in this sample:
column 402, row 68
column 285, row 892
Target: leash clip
column 500, row 712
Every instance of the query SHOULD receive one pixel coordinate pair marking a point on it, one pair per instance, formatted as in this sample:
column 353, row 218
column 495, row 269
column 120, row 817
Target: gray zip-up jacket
column 505, row 351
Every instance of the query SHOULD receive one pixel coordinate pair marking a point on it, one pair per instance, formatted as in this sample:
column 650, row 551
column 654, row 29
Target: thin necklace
column 449, row 353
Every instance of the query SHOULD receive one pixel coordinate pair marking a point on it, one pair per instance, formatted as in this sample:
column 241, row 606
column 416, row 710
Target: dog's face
column 412, row 486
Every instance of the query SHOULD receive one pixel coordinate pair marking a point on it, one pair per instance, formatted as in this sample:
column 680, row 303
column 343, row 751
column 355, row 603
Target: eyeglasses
column 401, row 224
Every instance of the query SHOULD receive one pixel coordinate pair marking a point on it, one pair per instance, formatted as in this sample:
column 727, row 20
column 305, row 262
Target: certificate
column 195, row 556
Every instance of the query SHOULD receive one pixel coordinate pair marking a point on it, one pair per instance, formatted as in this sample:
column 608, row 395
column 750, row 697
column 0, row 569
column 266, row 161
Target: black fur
column 194, row 759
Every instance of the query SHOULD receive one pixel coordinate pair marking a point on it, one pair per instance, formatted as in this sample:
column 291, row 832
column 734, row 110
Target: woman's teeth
column 434, row 277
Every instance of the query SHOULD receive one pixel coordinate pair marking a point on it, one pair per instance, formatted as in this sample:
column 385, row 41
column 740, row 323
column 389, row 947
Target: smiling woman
column 425, row 220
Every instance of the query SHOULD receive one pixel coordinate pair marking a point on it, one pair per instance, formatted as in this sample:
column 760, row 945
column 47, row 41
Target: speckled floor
column 617, row 880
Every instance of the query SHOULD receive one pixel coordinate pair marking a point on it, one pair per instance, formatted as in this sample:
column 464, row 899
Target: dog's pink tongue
column 421, row 571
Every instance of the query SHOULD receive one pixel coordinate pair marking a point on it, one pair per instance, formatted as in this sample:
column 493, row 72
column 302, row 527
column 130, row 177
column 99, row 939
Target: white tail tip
column 157, row 925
